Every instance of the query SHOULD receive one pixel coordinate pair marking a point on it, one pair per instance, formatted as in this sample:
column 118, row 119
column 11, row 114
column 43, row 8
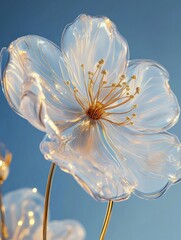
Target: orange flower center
column 95, row 111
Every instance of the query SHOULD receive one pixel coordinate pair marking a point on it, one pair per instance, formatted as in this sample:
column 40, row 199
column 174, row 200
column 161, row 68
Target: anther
column 90, row 74
column 75, row 90
column 135, row 105
column 131, row 96
column 134, row 77
column 82, row 65
column 104, row 72
column 138, row 90
column 134, row 114
column 122, row 77
column 101, row 61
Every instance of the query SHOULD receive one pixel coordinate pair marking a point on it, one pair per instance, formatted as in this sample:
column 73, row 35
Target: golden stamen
column 102, row 97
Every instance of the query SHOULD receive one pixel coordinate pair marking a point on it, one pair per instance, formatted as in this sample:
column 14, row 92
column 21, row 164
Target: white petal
column 23, row 213
column 34, row 82
column 83, row 151
column 63, row 230
column 158, row 108
column 90, row 39
column 153, row 159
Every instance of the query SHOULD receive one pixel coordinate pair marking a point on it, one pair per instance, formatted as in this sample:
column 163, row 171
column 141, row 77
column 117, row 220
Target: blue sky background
column 153, row 31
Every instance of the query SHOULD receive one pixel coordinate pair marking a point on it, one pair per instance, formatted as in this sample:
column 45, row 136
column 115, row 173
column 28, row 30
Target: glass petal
column 34, row 82
column 23, row 212
column 153, row 159
column 83, row 151
column 90, row 39
column 158, row 108
column 63, row 230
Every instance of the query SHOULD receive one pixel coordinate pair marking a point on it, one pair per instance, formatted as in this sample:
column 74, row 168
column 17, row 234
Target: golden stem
column 47, row 199
column 106, row 220
column 3, row 227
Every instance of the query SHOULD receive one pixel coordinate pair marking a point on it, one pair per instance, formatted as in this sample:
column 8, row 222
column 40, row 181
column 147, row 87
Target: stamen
column 116, row 95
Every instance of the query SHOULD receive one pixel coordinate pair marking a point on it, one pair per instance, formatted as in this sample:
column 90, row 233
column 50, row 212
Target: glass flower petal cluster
column 24, row 218
column 105, row 117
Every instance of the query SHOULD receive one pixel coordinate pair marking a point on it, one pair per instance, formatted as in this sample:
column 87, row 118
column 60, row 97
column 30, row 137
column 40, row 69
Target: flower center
column 96, row 111
column 101, row 100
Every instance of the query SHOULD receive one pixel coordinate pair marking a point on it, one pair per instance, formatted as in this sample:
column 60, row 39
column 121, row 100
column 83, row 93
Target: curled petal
column 153, row 159
column 83, row 151
column 90, row 39
column 34, row 82
column 157, row 107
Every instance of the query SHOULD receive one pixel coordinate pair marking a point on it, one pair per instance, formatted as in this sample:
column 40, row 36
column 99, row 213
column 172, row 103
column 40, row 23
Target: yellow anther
column 113, row 85
column 131, row 123
column 131, row 96
column 67, row 82
column 75, row 90
column 104, row 72
column 90, row 74
column 128, row 118
column 122, row 77
column 134, row 77
column 82, row 65
column 138, row 90
column 127, row 93
column 104, row 82
column 128, row 88
column 135, row 105
column 124, row 83
column 101, row 61
column 134, row 114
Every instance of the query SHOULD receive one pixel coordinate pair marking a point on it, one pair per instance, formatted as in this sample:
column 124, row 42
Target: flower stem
column 47, row 199
column 106, row 220
column 3, row 228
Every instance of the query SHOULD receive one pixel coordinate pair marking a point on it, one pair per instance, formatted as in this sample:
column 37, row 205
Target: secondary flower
column 24, row 218
column 5, row 160
column 105, row 116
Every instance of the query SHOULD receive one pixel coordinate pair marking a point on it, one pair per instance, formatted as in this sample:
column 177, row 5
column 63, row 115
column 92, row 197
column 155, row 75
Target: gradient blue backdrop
column 153, row 31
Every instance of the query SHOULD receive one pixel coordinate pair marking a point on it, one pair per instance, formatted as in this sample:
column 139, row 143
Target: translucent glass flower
column 24, row 215
column 105, row 116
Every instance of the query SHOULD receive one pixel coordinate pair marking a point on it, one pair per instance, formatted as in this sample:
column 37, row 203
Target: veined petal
column 153, row 159
column 34, row 82
column 90, row 39
column 158, row 108
column 83, row 151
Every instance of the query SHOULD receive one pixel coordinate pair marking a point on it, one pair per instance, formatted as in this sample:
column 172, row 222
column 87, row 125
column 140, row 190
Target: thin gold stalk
column 47, row 199
column 4, row 231
column 106, row 220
